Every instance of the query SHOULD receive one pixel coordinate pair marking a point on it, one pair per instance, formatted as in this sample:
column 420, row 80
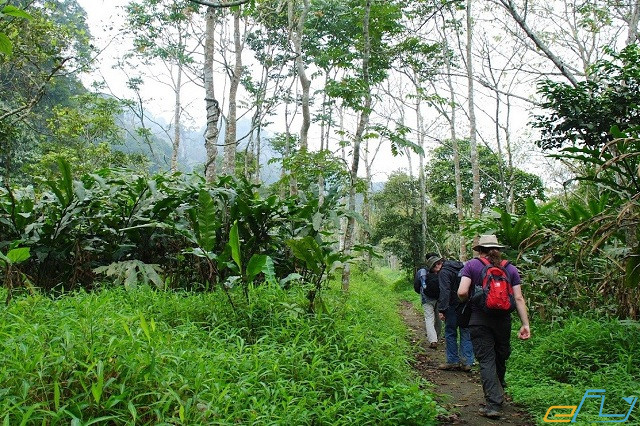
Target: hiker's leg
column 437, row 323
column 466, row 348
column 429, row 319
column 483, row 339
column 451, row 335
column 503, row 349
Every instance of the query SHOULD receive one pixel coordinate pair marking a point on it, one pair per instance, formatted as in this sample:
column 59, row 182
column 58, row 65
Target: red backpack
column 496, row 294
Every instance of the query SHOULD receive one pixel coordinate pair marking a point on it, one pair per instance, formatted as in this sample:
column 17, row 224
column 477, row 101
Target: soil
column 460, row 393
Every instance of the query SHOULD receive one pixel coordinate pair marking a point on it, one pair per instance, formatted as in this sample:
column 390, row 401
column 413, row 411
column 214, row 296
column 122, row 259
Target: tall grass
column 563, row 360
column 150, row 357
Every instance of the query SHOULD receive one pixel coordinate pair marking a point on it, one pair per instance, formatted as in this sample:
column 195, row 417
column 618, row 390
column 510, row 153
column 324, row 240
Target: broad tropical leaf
column 15, row 12
column 256, row 265
column 18, row 255
column 234, row 243
column 207, row 222
column 5, row 45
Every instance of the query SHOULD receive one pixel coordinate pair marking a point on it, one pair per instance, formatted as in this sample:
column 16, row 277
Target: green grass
column 149, row 357
column 563, row 360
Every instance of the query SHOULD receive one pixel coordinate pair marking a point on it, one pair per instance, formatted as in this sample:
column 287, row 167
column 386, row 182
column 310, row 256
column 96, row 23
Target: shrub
column 563, row 360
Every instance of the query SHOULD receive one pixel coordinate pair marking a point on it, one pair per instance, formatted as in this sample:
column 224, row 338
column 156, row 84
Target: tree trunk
column 475, row 170
column 362, row 125
column 634, row 17
column 213, row 108
column 510, row 168
column 176, row 121
column 504, row 185
column 456, row 155
column 421, row 177
column 302, row 75
column 230, row 139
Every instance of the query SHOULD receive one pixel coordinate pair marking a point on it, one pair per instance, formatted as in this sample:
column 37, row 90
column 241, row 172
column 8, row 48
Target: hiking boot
column 464, row 367
column 433, row 345
column 490, row 413
column 448, row 367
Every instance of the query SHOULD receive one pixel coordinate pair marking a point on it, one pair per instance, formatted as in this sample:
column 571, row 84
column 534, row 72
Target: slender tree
column 212, row 105
column 235, row 74
column 363, row 121
column 305, row 83
column 472, row 114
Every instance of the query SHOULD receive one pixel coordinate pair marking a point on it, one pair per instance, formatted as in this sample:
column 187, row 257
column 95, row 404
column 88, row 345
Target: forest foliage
column 67, row 199
column 138, row 294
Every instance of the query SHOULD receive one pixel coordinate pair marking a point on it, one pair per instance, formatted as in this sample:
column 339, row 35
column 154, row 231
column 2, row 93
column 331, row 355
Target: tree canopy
column 583, row 115
column 441, row 187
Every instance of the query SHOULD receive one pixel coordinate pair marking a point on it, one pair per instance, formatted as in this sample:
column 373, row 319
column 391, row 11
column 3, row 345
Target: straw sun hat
column 488, row 241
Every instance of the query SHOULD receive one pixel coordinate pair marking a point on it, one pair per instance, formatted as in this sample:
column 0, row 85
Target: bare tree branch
column 220, row 5
column 509, row 5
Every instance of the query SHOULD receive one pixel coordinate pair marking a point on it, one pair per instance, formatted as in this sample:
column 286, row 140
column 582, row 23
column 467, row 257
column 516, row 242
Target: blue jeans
column 451, row 338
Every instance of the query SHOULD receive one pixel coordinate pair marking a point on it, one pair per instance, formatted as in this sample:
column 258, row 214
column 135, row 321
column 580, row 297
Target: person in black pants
column 491, row 333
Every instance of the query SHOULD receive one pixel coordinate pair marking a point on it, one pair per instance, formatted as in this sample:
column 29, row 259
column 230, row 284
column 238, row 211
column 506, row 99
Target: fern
column 132, row 272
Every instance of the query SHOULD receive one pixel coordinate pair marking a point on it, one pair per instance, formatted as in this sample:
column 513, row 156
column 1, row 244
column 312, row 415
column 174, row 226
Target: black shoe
column 490, row 413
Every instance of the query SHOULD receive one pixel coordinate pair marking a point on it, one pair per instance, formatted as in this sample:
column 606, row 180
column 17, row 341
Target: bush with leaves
column 595, row 126
column 180, row 224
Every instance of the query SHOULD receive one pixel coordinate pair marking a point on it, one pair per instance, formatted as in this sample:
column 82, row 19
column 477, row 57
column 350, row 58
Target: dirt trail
column 459, row 392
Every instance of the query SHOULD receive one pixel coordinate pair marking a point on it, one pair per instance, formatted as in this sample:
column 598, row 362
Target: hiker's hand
column 441, row 315
column 524, row 332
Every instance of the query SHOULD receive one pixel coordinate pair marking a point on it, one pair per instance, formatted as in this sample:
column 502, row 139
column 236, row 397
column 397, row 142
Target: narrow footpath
column 457, row 391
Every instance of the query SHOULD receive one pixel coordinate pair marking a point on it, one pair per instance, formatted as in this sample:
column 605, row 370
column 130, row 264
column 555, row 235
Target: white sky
column 105, row 18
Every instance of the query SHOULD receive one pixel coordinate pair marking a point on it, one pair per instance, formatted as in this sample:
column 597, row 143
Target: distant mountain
column 192, row 154
column 157, row 146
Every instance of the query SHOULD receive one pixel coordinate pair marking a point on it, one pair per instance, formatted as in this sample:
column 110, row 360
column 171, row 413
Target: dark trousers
column 491, row 345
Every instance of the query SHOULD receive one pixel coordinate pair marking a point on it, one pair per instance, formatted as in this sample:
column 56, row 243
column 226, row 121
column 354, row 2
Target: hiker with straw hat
column 491, row 331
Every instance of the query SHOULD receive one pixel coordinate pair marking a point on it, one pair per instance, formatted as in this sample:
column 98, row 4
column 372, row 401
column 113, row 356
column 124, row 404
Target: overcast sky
column 105, row 18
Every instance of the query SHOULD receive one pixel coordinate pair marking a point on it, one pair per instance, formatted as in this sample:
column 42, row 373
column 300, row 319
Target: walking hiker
column 459, row 352
column 495, row 290
column 426, row 283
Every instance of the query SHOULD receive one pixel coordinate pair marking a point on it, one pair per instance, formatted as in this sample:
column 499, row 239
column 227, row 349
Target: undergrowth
column 151, row 357
column 562, row 360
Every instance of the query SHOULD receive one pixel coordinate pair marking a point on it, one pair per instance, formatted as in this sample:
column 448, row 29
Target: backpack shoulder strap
column 504, row 265
column 486, row 264
column 483, row 260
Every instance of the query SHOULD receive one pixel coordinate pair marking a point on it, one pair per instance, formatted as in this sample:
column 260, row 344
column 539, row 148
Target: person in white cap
column 491, row 332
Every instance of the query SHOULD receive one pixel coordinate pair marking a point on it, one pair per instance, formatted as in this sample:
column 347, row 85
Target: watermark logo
column 569, row 413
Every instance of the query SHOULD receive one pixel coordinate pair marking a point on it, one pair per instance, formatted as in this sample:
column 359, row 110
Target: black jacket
column 449, row 283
